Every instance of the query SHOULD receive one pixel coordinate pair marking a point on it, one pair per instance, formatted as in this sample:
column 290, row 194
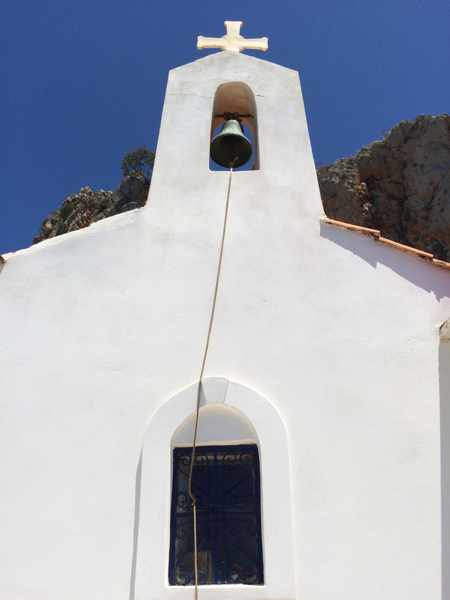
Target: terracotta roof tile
column 441, row 263
column 404, row 248
column 376, row 235
column 343, row 225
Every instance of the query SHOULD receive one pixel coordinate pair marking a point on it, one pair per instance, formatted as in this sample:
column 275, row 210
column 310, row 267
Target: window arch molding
column 153, row 528
column 219, row 424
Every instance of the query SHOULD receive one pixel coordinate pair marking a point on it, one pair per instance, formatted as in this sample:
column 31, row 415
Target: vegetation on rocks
column 87, row 206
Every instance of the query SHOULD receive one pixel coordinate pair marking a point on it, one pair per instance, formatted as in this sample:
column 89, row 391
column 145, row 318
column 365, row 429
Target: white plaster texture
column 337, row 334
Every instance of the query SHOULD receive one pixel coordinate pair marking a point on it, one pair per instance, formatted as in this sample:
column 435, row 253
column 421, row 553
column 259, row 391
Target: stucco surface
column 102, row 327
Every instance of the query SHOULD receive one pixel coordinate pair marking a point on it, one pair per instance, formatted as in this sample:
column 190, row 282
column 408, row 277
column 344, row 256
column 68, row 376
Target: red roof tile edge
column 376, row 235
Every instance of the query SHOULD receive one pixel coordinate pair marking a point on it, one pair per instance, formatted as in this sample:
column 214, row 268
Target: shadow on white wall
column 421, row 273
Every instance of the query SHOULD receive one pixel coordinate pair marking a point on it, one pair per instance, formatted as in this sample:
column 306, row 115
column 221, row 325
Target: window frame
column 235, row 448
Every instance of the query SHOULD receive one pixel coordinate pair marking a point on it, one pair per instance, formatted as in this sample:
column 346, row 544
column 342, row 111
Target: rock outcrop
column 399, row 185
column 87, row 206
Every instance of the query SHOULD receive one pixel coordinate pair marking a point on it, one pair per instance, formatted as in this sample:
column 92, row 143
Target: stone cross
column 233, row 40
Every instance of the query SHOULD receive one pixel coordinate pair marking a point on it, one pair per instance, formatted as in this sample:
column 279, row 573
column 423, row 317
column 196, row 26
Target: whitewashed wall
column 101, row 327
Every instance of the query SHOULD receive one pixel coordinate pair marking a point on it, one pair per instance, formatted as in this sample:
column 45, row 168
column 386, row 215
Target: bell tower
column 229, row 90
column 230, row 252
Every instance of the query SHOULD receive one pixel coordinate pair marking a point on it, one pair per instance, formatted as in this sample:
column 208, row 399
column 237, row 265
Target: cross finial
column 233, row 40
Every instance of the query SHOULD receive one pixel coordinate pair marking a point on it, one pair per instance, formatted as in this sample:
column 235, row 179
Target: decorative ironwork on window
column 226, row 483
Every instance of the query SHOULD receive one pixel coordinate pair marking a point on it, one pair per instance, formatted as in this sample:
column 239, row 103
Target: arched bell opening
column 234, row 129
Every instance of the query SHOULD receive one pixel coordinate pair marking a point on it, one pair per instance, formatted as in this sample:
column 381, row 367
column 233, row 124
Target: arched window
column 236, row 99
column 231, row 414
column 226, row 483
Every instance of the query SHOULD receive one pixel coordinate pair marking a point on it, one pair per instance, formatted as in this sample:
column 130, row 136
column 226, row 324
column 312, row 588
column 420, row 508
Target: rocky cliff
column 87, row 206
column 399, row 185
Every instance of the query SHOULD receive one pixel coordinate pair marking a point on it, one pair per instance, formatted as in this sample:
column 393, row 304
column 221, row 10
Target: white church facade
column 323, row 447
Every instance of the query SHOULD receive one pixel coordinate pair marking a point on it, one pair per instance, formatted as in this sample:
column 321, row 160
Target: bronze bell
column 230, row 147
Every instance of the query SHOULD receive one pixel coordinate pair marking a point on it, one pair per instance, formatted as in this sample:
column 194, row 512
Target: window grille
column 226, row 484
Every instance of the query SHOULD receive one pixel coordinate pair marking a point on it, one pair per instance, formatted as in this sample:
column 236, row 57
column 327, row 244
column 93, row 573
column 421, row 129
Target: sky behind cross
column 84, row 81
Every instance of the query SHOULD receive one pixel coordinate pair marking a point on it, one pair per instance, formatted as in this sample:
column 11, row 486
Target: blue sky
column 85, row 81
